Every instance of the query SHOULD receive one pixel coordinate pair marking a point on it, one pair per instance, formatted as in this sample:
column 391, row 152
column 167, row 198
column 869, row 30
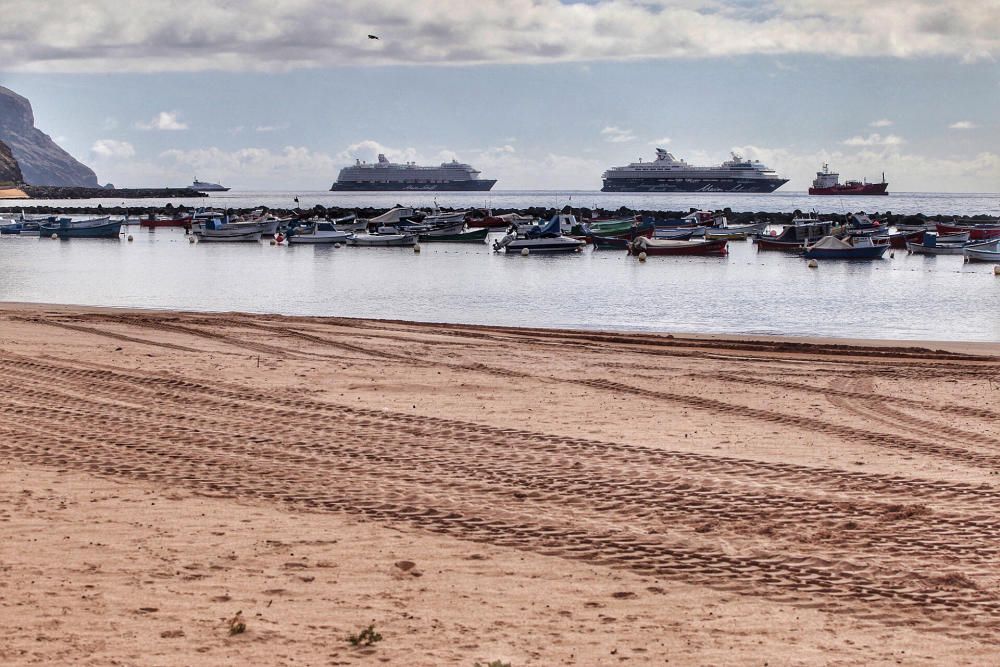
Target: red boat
column 899, row 240
column 976, row 232
column 670, row 247
column 499, row 221
column 828, row 183
column 152, row 221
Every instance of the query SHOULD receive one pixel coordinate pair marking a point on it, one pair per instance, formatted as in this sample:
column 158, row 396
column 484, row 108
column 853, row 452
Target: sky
column 539, row 94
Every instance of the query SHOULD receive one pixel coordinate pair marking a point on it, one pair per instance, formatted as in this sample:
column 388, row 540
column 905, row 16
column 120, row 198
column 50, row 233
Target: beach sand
column 480, row 493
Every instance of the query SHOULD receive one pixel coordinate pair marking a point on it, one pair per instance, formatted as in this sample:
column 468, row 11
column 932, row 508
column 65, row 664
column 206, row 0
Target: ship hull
column 865, row 189
column 691, row 185
column 479, row 185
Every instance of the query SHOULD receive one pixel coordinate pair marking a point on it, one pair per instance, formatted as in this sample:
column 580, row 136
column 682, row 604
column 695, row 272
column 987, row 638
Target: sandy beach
column 532, row 496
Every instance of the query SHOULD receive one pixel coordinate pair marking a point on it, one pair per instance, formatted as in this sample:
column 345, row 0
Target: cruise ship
column 668, row 174
column 385, row 175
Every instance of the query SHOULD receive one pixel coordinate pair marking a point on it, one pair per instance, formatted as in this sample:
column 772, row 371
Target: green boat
column 475, row 236
column 606, row 228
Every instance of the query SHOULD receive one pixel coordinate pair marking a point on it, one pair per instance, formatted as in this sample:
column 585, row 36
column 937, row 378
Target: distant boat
column 319, row 232
column 673, row 247
column 95, row 228
column 388, row 176
column 202, row 186
column 983, row 252
column 383, row 240
column 828, row 183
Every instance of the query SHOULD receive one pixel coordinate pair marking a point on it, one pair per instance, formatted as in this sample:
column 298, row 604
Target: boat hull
column 692, row 185
column 475, row 236
column 871, row 252
column 386, row 241
column 920, row 249
column 975, row 233
column 681, row 248
column 862, row 189
column 108, row 230
column 479, row 185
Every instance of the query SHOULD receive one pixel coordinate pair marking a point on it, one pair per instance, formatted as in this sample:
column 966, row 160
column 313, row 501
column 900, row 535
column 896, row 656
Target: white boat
column 227, row 235
column 931, row 246
column 320, row 232
column 393, row 216
column 438, row 218
column 983, row 252
column 670, row 233
column 545, row 238
column 383, row 240
column 202, row 186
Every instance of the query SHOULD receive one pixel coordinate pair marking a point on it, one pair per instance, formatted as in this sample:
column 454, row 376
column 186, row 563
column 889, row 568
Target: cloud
column 368, row 150
column 663, row 141
column 963, row 125
column 165, row 120
column 112, row 148
column 874, row 139
column 884, row 122
column 617, row 135
column 194, row 35
column 271, row 128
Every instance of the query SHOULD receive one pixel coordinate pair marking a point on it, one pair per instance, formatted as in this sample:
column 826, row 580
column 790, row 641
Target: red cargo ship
column 828, row 183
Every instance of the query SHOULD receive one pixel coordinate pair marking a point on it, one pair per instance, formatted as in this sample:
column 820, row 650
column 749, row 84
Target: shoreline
column 536, row 496
column 806, row 343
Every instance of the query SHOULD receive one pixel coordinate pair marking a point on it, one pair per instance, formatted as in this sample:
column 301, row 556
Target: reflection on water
column 913, row 297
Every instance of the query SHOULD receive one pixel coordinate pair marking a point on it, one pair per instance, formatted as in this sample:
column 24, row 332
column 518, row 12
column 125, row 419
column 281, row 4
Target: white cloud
column 271, row 128
column 663, row 141
column 963, row 125
column 617, row 135
column 874, row 139
column 368, row 150
column 194, row 35
column 165, row 120
column 112, row 148
column 884, row 122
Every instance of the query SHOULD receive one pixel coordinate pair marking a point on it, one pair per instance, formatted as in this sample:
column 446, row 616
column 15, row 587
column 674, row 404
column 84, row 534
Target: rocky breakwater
column 60, row 192
column 41, row 160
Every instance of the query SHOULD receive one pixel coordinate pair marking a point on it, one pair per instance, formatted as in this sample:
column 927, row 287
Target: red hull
column 858, row 189
column 975, row 233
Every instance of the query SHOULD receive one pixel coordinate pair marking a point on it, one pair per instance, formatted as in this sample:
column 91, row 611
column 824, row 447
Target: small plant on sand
column 237, row 624
column 366, row 637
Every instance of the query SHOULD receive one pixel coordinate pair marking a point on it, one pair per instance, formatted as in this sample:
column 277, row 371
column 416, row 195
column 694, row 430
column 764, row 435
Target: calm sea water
column 748, row 292
column 907, row 203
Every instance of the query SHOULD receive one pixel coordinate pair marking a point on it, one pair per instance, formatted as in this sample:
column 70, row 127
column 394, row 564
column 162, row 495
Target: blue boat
column 830, row 247
column 99, row 228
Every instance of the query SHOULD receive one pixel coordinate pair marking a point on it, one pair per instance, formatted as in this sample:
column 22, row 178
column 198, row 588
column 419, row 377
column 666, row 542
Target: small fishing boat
column 795, row 236
column 930, row 246
column 984, row 231
column 383, row 240
column 503, row 221
column 609, row 242
column 152, row 221
column 983, row 252
column 542, row 238
column 319, row 232
column 859, row 247
column 899, row 239
column 960, row 237
column 95, row 228
column 471, row 236
column 626, row 233
column 673, row 247
column 680, row 233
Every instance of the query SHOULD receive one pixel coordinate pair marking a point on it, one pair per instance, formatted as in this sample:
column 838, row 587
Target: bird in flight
column 372, row 36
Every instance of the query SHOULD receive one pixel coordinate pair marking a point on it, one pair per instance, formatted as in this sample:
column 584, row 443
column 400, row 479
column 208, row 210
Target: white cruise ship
column 385, row 175
column 668, row 174
column 202, row 186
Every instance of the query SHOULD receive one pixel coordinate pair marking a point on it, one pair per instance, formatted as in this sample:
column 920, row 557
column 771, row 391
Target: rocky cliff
column 41, row 160
column 9, row 171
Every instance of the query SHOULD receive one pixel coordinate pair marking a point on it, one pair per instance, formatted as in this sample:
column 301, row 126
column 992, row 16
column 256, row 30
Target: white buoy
column 416, row 248
column 642, row 256
column 525, row 252
column 130, row 238
column 336, row 245
column 54, row 236
column 813, row 264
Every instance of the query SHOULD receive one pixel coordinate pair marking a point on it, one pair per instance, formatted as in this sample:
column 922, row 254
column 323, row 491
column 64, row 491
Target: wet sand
column 480, row 493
